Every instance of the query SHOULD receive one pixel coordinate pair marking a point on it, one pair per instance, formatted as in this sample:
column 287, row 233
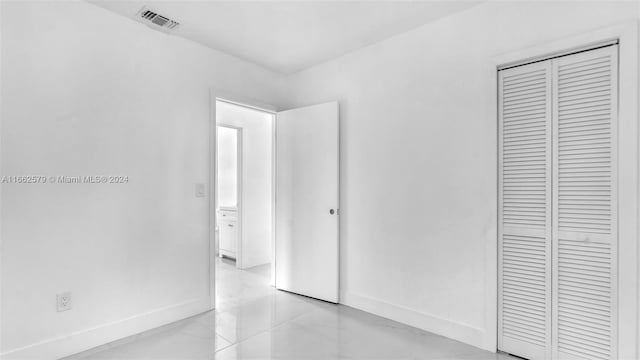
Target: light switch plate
column 200, row 190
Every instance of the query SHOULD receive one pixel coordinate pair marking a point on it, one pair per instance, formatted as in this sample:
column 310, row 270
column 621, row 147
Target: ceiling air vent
column 152, row 17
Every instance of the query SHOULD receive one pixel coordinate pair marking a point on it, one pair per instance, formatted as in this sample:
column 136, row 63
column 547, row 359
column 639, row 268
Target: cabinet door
column 585, row 205
column 524, row 231
column 228, row 238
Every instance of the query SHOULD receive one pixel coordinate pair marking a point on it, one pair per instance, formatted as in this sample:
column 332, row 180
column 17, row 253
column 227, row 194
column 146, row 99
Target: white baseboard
column 448, row 328
column 74, row 343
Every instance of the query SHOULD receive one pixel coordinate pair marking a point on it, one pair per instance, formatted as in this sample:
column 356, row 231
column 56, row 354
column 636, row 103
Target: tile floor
column 254, row 321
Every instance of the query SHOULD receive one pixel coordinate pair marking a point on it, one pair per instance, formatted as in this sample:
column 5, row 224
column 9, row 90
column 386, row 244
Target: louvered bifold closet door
column 584, row 205
column 524, row 284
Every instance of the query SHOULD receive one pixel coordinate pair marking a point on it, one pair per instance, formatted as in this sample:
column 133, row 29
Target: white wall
column 227, row 153
column 87, row 92
column 94, row 93
column 419, row 157
column 256, row 198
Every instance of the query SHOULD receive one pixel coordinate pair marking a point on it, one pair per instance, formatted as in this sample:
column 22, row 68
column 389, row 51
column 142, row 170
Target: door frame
column 628, row 180
column 239, row 185
column 216, row 95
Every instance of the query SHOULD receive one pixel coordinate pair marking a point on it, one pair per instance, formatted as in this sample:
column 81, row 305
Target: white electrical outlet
column 64, row 301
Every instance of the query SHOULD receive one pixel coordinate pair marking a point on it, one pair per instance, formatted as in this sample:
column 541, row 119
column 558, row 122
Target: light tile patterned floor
column 254, row 321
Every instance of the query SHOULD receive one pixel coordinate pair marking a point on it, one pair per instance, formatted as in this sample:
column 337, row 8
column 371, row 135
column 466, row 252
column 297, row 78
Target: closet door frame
column 626, row 34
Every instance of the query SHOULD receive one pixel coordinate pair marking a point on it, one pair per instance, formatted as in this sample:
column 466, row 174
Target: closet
column 557, row 233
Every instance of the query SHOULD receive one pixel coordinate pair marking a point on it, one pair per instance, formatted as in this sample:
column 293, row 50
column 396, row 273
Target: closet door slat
column 585, row 205
column 524, row 323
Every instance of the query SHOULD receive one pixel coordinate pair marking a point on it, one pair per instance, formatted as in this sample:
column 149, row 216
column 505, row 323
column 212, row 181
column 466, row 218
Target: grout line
column 224, row 338
column 269, row 329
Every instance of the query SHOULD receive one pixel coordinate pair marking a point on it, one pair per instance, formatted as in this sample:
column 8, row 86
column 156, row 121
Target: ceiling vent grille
column 158, row 20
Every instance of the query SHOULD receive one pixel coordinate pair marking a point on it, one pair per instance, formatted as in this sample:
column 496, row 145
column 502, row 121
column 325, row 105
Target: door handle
column 331, row 212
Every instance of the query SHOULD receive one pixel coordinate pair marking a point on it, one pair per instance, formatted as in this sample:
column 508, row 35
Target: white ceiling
column 289, row 36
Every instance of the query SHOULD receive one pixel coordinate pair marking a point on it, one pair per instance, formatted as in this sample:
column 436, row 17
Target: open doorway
column 287, row 183
column 244, row 201
column 229, row 191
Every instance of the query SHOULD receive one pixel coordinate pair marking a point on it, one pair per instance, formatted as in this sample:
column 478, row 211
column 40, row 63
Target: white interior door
column 307, row 179
column 558, row 197
column 585, row 205
column 524, row 231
